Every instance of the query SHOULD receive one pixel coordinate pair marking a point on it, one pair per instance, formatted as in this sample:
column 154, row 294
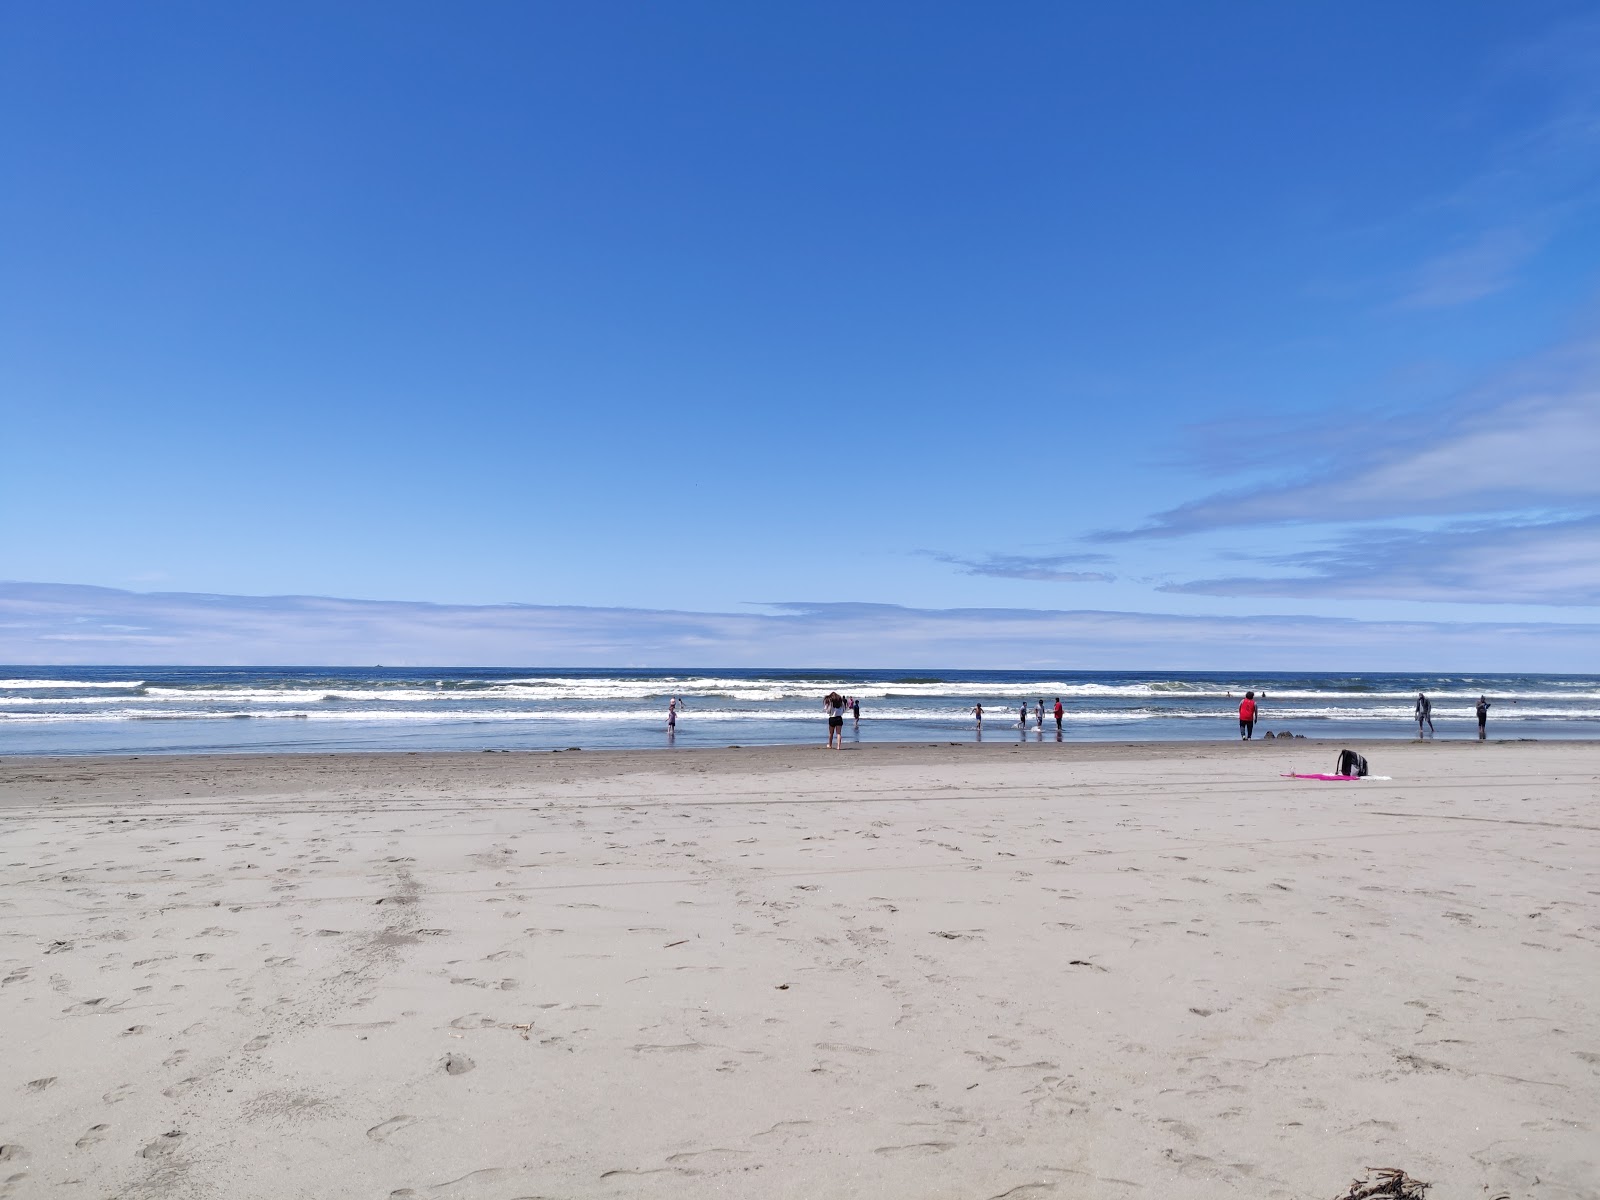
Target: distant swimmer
column 1058, row 714
column 1483, row 716
column 1247, row 716
column 1424, row 713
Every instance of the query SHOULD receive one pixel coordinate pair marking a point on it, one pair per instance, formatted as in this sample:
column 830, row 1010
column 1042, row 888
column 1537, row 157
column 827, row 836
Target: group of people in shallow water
column 1424, row 715
column 1022, row 714
column 1249, row 709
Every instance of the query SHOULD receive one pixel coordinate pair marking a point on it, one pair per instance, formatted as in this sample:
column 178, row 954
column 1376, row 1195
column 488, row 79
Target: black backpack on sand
column 1350, row 763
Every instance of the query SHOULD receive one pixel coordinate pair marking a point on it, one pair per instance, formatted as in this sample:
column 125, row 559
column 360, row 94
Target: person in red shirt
column 1058, row 714
column 1247, row 716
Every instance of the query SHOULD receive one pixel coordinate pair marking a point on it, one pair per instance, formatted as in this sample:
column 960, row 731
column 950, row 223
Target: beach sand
column 896, row 971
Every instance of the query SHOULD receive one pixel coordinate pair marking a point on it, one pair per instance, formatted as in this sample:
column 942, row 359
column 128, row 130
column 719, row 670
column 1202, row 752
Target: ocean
column 169, row 710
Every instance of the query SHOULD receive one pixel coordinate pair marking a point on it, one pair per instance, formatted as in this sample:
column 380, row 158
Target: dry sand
column 1107, row 971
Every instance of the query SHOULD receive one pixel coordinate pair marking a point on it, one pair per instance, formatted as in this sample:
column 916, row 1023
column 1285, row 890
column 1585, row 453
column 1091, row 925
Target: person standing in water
column 1247, row 716
column 1038, row 714
column 1022, row 715
column 673, row 705
column 977, row 711
column 1483, row 717
column 855, row 710
column 834, row 703
column 1424, row 713
column 1058, row 714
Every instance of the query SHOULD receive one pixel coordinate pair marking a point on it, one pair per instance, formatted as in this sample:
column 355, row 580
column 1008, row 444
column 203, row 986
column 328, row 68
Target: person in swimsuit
column 1483, row 717
column 834, row 703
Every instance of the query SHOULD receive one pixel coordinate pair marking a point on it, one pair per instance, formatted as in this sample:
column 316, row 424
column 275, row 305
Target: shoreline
column 1089, row 748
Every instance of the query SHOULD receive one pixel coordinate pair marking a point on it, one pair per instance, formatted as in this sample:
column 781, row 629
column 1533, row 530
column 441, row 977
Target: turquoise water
column 147, row 710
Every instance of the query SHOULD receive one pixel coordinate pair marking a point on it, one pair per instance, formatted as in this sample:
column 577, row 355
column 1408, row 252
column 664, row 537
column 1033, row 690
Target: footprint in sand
column 385, row 1129
column 39, row 1085
column 163, row 1145
column 457, row 1064
column 469, row 1182
column 91, row 1136
column 257, row 1042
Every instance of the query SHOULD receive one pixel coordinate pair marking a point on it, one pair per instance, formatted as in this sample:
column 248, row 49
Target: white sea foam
column 648, row 717
column 774, row 690
column 54, row 684
column 199, row 707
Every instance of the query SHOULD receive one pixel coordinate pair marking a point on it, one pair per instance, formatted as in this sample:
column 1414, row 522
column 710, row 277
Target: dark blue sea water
column 147, row 710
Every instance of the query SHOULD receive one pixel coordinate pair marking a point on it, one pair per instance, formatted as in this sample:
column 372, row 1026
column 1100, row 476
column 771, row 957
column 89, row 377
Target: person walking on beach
column 1022, row 715
column 834, row 703
column 1424, row 713
column 1483, row 716
column 1058, row 714
column 1247, row 716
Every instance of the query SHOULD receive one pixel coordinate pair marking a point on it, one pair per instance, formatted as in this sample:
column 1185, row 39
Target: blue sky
column 1174, row 309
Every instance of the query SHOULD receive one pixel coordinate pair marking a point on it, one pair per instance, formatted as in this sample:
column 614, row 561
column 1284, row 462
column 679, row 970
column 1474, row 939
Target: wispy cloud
column 1533, row 185
column 1530, row 442
column 58, row 624
column 1485, row 264
column 1047, row 568
column 1555, row 563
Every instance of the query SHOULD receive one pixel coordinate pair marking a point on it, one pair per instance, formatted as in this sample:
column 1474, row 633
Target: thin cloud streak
column 60, row 624
column 1554, row 563
column 1046, row 568
column 1534, row 448
column 1483, row 266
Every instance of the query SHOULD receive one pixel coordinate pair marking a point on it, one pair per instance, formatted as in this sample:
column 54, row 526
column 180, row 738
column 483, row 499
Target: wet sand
column 895, row 971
